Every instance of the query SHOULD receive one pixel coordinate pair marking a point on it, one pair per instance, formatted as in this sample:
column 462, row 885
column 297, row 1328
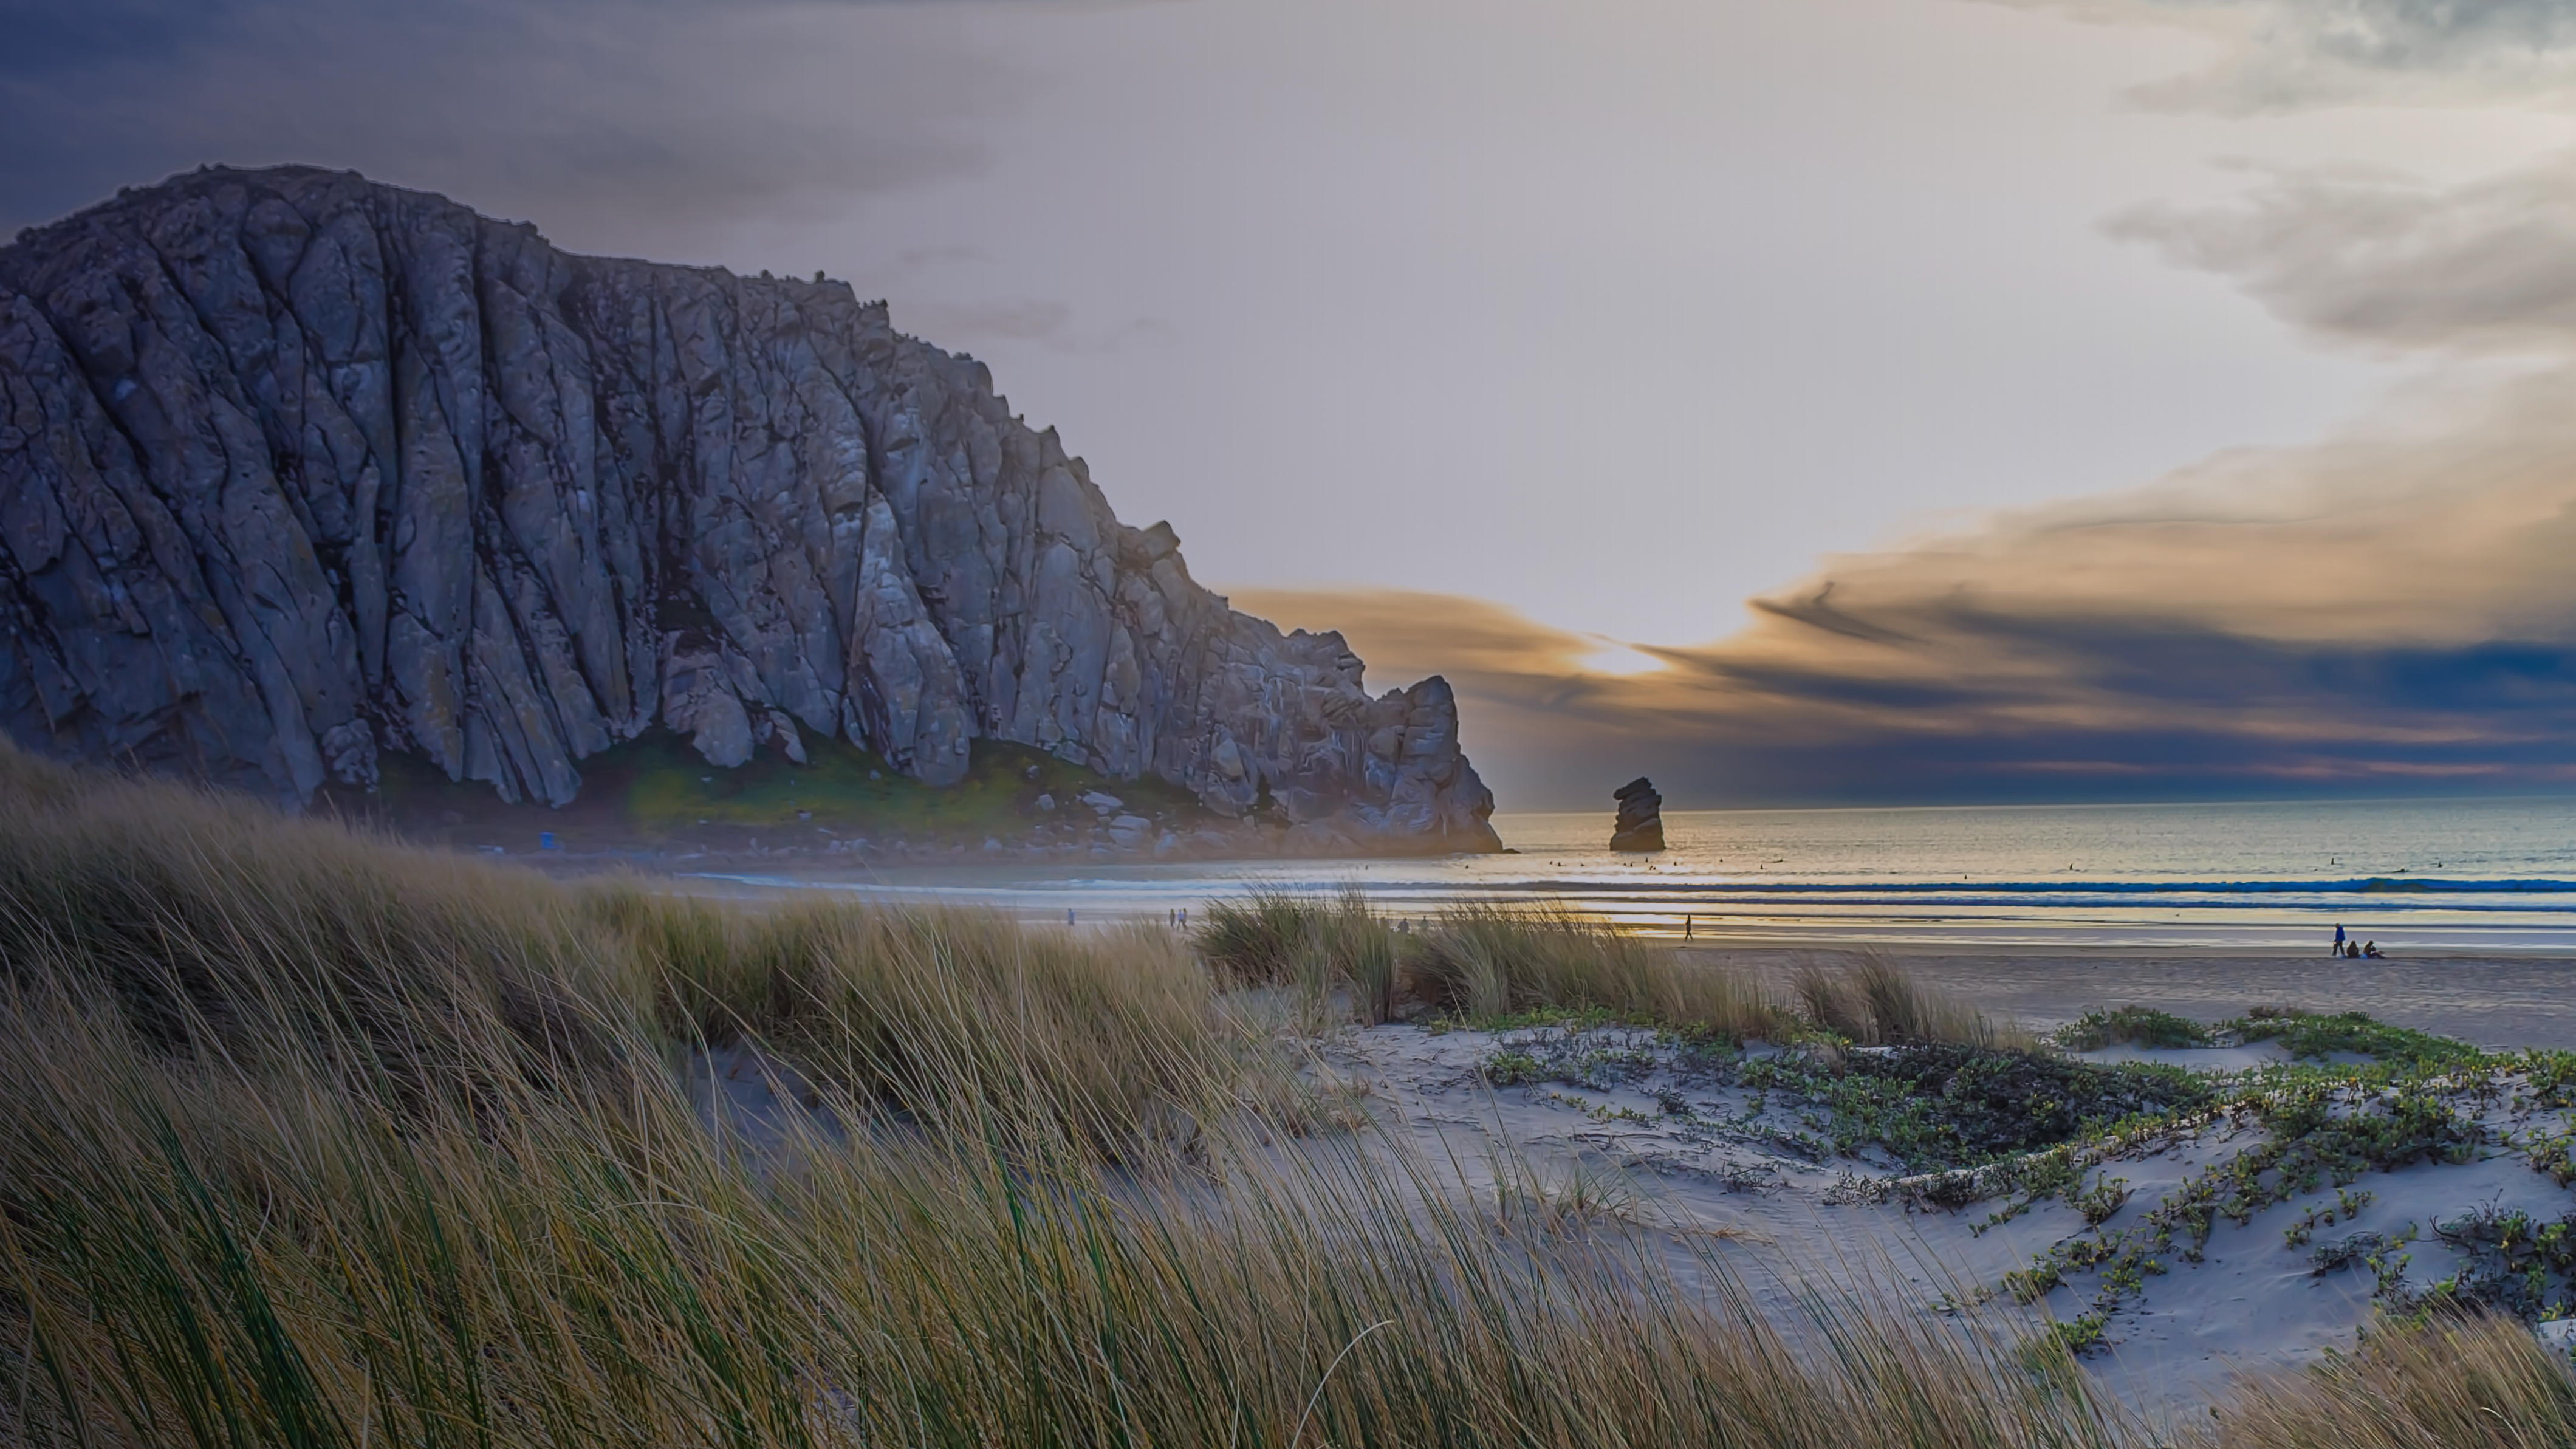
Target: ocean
column 2447, row 876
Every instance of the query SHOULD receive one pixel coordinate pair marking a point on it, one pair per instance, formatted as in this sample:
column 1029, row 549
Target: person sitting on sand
column 2370, row 949
column 2351, row 951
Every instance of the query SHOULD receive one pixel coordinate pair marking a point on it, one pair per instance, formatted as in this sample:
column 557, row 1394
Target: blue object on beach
column 545, row 840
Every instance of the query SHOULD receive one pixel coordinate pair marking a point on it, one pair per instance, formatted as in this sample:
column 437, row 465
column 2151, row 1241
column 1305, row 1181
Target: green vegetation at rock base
column 655, row 790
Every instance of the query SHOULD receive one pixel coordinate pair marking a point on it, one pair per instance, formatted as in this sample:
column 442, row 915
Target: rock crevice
column 296, row 468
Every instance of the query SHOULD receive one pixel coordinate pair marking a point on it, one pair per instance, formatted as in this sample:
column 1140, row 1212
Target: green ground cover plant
column 1940, row 1107
column 2309, row 1036
column 2513, row 1264
column 2319, row 1132
column 2144, row 1025
column 1592, row 1058
column 657, row 787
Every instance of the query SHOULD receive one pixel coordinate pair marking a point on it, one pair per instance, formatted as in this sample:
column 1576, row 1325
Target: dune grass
column 220, row 930
column 310, row 1139
column 1871, row 1001
column 1477, row 962
column 1316, row 945
column 194, row 1271
column 1485, row 962
column 2459, row 1382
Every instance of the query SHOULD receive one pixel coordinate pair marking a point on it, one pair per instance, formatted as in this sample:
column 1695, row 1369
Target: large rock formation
column 1640, row 825
column 296, row 468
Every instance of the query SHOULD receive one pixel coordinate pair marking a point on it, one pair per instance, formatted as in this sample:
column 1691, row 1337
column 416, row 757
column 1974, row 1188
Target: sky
column 1838, row 401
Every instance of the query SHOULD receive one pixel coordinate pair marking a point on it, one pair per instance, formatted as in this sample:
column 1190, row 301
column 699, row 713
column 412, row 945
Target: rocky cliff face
column 296, row 468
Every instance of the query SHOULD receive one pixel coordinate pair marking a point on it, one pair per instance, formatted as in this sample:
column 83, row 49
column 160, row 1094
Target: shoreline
column 2496, row 1002
column 1144, row 889
column 1820, row 943
column 2500, row 999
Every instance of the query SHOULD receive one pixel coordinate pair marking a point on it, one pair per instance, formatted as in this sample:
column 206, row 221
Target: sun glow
column 1617, row 658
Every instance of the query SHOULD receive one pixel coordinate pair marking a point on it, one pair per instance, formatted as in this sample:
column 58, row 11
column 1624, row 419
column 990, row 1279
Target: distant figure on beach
column 2339, row 942
column 2351, row 951
column 2370, row 949
column 1687, row 923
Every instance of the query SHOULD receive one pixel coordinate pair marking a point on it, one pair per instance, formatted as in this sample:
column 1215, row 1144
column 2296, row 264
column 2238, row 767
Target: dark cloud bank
column 2279, row 55
column 610, row 118
column 2391, row 610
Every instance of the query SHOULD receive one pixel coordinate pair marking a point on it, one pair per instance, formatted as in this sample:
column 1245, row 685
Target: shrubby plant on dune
column 2145, row 1025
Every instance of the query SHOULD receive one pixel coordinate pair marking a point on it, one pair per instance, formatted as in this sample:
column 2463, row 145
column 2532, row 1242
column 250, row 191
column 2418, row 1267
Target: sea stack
column 1641, row 817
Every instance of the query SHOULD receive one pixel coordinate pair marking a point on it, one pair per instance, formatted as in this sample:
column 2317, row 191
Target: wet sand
column 2496, row 1002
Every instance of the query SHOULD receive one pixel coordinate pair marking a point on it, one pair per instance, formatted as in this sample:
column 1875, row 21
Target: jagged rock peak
column 296, row 468
column 1640, row 825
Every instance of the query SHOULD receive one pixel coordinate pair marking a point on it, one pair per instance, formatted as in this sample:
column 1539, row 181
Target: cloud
column 603, row 115
column 2279, row 55
column 1540, row 724
column 2393, row 608
column 1405, row 634
column 2484, row 266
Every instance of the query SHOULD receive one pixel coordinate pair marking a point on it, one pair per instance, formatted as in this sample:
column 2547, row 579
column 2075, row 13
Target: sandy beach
column 2494, row 1000
column 2497, row 1002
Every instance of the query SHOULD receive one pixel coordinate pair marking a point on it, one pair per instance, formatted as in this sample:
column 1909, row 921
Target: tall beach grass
column 307, row 1138
column 1871, row 1001
column 1483, row 961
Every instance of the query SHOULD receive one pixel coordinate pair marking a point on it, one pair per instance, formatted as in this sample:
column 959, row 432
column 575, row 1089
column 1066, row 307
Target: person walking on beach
column 2338, row 945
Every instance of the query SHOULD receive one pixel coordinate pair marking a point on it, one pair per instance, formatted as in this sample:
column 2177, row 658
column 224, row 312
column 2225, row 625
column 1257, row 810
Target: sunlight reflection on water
column 2449, row 875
